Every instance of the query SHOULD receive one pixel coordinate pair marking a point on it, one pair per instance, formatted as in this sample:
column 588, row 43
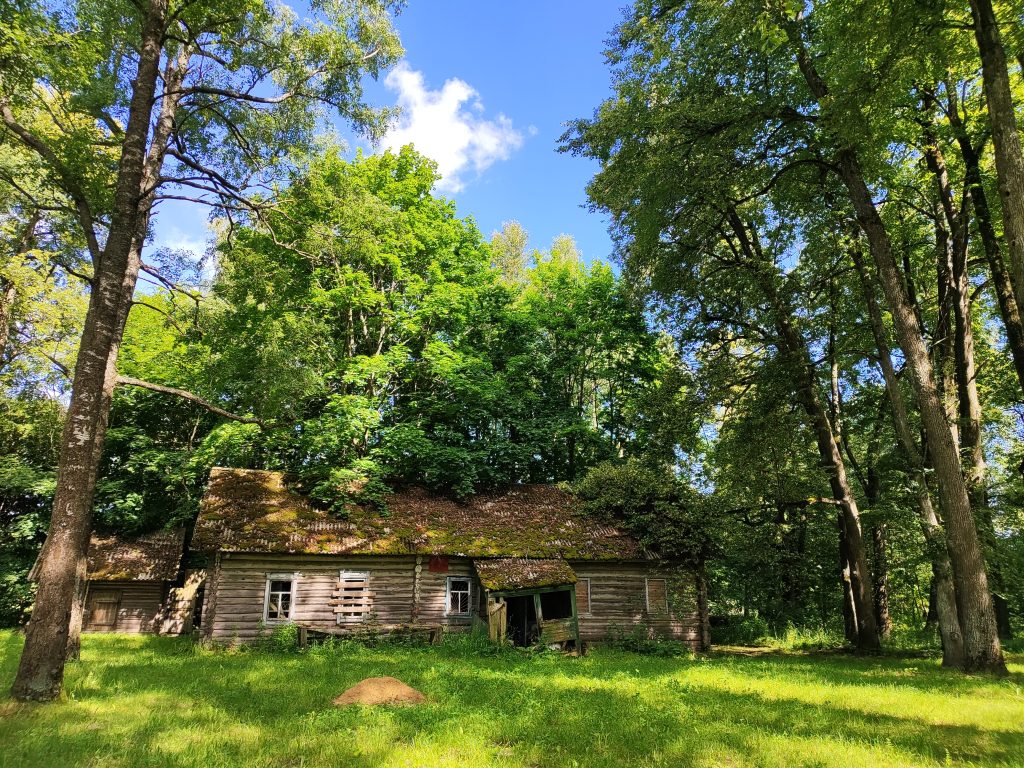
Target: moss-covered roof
column 509, row 573
column 254, row 511
column 152, row 557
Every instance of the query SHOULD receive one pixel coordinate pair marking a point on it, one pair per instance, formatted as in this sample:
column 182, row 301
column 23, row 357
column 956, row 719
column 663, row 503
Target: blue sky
column 487, row 88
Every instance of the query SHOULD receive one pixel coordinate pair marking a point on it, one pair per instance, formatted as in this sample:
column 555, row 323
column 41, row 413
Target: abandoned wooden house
column 527, row 564
column 134, row 585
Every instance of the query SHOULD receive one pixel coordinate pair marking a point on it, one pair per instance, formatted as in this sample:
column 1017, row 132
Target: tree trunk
column 977, row 616
column 931, row 614
column 41, row 670
column 8, row 292
column 944, row 600
column 1005, row 137
column 881, row 577
column 846, row 582
column 794, row 348
column 1001, row 282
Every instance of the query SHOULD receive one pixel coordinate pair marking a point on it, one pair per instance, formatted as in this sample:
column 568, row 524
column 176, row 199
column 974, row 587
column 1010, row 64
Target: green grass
column 138, row 701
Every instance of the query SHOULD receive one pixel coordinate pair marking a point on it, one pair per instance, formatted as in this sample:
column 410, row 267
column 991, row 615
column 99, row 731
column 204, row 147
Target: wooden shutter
column 583, row 597
column 104, row 611
column 353, row 599
column 657, row 596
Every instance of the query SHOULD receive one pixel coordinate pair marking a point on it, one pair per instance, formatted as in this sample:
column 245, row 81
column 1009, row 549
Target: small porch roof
column 505, row 574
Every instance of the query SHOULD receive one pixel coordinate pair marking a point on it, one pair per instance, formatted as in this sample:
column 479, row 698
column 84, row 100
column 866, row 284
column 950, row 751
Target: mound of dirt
column 380, row 690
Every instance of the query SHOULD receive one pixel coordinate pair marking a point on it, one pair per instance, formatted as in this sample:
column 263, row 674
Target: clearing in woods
column 147, row 701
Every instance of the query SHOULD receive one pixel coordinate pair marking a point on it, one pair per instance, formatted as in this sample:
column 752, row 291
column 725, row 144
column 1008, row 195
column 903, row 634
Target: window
column 353, row 599
column 460, row 591
column 583, row 597
column 280, row 598
column 556, row 605
column 657, row 595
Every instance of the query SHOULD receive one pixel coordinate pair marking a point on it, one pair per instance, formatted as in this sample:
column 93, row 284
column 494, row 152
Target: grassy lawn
column 137, row 701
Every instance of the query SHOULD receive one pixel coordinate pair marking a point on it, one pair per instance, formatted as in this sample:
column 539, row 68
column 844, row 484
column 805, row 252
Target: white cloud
column 439, row 124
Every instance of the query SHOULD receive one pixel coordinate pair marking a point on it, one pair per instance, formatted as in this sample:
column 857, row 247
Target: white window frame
column 272, row 577
column 346, row 575
column 647, row 595
column 590, row 606
column 448, row 596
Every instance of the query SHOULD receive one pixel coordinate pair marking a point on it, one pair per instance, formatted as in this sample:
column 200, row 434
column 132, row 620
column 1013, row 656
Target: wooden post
column 303, row 638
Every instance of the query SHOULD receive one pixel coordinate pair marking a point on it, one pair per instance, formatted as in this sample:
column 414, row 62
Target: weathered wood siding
column 234, row 611
column 618, row 601
column 138, row 603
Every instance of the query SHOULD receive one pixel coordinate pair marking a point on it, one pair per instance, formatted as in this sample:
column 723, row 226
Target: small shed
column 130, row 579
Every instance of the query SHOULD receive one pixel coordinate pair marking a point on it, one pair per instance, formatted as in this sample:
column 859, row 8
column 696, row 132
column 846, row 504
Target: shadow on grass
column 611, row 709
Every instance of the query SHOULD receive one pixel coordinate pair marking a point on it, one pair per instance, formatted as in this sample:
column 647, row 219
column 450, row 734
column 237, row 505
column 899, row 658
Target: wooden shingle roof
column 511, row 573
column 255, row 511
column 151, row 557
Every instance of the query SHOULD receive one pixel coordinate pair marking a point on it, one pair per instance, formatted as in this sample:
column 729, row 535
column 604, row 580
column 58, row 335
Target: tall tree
column 192, row 101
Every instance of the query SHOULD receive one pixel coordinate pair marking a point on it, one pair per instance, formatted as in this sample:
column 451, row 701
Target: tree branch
column 128, row 381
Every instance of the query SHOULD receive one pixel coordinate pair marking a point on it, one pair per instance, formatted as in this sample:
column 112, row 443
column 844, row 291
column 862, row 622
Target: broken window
column 556, row 605
column 460, row 591
column 353, row 599
column 280, row 597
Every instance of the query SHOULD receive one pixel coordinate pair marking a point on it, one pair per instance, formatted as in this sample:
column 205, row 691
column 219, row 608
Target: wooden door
column 497, row 618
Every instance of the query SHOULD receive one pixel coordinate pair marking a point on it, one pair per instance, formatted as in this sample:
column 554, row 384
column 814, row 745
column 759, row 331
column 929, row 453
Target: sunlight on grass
column 136, row 701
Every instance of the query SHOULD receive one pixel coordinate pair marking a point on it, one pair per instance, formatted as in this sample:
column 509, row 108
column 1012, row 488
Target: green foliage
column 656, row 506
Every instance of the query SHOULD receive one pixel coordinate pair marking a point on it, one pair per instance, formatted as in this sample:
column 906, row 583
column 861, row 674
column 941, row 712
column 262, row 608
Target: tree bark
column 41, row 669
column 881, row 577
column 943, row 587
column 1009, row 309
column 977, row 616
column 1005, row 136
column 8, row 292
column 846, row 582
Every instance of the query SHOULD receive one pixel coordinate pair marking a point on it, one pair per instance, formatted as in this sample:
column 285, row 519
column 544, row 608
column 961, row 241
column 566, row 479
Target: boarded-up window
column 583, row 597
column 460, row 591
column 279, row 600
column 657, row 596
column 353, row 600
column 104, row 612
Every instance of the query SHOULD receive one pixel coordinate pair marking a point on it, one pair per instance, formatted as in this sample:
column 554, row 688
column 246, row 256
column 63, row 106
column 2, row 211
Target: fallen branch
column 128, row 381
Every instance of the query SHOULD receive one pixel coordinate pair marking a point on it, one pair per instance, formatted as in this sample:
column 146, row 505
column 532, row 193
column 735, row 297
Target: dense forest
column 802, row 367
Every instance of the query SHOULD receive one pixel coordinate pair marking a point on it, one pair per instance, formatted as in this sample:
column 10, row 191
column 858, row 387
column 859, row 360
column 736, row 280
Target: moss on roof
column 255, row 511
column 151, row 557
column 509, row 573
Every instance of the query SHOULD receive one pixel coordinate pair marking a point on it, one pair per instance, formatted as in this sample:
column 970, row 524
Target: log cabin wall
column 135, row 610
column 236, row 613
column 618, row 595
column 618, row 601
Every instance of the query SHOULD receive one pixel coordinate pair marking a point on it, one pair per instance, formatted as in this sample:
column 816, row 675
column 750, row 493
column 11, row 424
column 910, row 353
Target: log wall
column 236, row 611
column 618, row 601
column 235, row 595
column 137, row 607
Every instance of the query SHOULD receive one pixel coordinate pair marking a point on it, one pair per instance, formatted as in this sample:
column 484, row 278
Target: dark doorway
column 522, row 620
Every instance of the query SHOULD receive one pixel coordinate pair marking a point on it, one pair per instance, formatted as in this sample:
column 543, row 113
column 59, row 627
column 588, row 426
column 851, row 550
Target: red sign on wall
column 438, row 565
